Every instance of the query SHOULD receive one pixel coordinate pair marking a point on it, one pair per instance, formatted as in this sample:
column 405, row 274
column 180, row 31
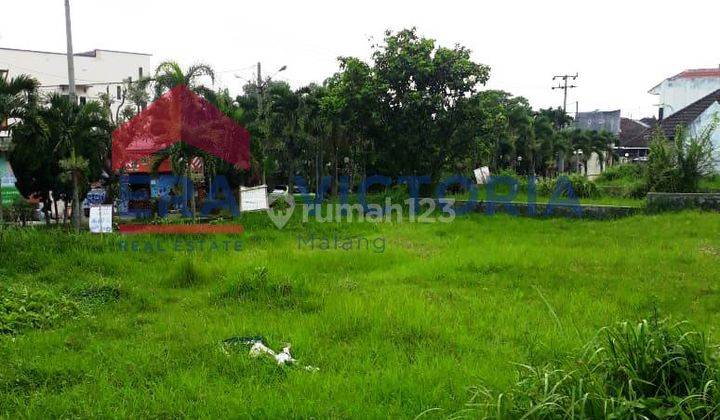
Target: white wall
column 702, row 122
column 674, row 95
column 105, row 70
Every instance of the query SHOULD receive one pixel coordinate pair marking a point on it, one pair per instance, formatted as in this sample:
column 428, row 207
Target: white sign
column 254, row 198
column 101, row 219
column 482, row 175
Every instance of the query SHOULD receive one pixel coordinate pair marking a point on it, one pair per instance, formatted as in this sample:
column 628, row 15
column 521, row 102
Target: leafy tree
column 420, row 85
column 81, row 137
column 17, row 98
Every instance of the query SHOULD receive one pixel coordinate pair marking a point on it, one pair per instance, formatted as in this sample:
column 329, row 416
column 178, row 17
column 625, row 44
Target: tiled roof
column 715, row 72
column 685, row 117
column 629, row 130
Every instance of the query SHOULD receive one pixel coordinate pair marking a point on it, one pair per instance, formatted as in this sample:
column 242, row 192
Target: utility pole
column 565, row 86
column 73, row 101
column 70, row 57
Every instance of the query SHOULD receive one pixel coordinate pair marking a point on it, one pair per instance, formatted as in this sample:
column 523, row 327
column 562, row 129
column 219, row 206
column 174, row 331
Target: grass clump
column 187, row 274
column 653, row 369
column 22, row 308
column 259, row 287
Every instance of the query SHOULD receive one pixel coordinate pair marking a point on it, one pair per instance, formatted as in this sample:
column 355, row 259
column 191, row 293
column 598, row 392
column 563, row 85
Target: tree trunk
column 57, row 215
column 46, row 208
column 192, row 193
column 76, row 201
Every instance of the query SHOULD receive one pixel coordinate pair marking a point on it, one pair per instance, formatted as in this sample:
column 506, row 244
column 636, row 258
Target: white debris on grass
column 282, row 358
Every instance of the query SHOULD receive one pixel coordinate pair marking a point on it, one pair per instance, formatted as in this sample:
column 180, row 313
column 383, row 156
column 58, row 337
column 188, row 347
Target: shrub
column 21, row 211
column 582, row 187
column 22, row 308
column 625, row 171
column 653, row 369
column 679, row 166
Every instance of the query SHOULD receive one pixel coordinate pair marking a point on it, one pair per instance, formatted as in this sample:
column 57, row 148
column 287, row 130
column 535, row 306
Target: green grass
column 446, row 308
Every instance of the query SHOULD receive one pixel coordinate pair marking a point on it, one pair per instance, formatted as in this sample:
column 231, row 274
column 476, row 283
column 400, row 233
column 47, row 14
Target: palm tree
column 582, row 143
column 169, row 74
column 284, row 124
column 17, row 95
column 81, row 135
column 605, row 144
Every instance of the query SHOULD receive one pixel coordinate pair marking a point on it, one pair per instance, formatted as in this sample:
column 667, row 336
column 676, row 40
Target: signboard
column 101, row 219
column 7, row 183
column 254, row 198
column 482, row 175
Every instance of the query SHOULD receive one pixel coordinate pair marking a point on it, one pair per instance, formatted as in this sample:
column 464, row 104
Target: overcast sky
column 619, row 48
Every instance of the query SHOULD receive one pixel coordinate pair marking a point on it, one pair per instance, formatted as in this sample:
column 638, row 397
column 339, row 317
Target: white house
column 695, row 117
column 96, row 71
column 681, row 90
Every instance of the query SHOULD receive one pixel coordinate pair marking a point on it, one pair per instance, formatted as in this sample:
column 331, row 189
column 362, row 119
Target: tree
column 17, row 97
column 169, row 74
column 420, row 85
column 81, row 137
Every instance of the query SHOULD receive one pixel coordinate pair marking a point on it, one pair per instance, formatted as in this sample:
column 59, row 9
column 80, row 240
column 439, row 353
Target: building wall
column 702, row 122
column 674, row 95
column 95, row 72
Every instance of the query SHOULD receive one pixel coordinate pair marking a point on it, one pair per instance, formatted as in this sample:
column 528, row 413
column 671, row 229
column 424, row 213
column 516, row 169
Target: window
column 119, row 92
column 83, row 100
column 140, row 71
column 4, row 74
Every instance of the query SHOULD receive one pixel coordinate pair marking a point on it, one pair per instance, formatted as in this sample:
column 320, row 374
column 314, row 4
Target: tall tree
column 81, row 135
column 17, row 97
column 420, row 85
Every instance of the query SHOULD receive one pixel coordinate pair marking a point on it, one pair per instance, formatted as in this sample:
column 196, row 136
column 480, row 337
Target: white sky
column 620, row 48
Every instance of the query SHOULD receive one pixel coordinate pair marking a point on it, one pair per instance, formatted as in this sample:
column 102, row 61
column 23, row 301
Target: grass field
column 103, row 331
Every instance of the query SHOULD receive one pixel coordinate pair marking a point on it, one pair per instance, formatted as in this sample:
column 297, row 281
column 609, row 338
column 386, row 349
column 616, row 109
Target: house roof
column 629, row 130
column 685, row 117
column 692, row 73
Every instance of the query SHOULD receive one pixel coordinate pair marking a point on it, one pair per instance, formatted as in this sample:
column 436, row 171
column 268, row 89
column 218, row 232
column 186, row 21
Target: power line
column 564, row 86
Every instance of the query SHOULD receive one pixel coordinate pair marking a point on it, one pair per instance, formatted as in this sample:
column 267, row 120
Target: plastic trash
column 258, row 349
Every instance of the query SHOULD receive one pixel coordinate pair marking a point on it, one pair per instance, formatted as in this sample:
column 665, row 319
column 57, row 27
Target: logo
column 278, row 215
column 179, row 130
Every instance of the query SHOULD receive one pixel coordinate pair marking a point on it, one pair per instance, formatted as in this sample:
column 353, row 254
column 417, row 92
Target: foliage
column 22, row 308
column 624, row 171
column 679, row 165
column 653, row 369
column 582, row 187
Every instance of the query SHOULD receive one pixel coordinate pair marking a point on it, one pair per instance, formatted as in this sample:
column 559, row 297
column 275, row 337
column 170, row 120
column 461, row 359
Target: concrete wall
column 674, row 95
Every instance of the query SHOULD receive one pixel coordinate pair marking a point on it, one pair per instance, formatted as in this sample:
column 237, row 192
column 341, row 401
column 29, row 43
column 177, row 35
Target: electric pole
column 565, row 86
column 70, row 57
column 71, row 91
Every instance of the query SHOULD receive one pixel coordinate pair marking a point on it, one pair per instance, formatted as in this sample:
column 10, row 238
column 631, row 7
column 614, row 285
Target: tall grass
column 651, row 369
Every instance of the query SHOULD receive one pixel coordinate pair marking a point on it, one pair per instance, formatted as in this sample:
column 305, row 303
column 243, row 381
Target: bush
column 625, row 171
column 679, row 166
column 653, row 369
column 582, row 187
column 21, row 308
column 21, row 211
